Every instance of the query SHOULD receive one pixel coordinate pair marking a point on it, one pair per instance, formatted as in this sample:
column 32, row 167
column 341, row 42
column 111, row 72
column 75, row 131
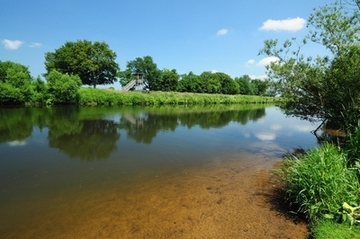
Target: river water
column 145, row 172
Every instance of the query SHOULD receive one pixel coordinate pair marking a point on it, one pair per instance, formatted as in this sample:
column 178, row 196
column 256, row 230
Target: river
column 146, row 172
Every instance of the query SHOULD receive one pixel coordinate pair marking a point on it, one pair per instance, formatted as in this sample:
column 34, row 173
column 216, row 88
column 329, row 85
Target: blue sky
column 186, row 35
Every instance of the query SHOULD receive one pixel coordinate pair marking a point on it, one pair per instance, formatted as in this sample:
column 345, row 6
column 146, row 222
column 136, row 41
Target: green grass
column 320, row 182
column 328, row 229
column 90, row 96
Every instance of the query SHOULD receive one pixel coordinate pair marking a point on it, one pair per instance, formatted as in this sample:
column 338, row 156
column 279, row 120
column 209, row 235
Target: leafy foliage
column 244, row 83
column 169, row 80
column 15, row 81
column 210, row 83
column 144, row 68
column 94, row 62
column 63, row 87
column 321, row 87
column 190, row 83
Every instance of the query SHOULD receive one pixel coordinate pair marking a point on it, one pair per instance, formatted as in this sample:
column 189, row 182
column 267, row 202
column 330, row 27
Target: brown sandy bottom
column 223, row 199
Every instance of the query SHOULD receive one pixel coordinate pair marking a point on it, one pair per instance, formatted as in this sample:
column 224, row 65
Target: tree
column 39, row 90
column 94, row 62
column 245, row 87
column 341, row 81
column 228, row 85
column 210, row 83
column 321, row 87
column 169, row 80
column 63, row 87
column 146, row 69
column 259, row 86
column 190, row 83
column 15, row 83
column 352, row 2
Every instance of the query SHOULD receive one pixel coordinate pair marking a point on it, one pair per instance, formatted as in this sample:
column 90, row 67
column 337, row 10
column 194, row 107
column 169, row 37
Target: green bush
column 63, row 88
column 320, row 182
column 10, row 94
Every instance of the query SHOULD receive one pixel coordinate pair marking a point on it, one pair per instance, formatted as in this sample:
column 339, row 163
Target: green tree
column 15, row 83
column 39, row 89
column 63, row 87
column 146, row 69
column 320, row 87
column 259, row 86
column 341, row 81
column 245, row 87
column 190, row 83
column 169, row 80
column 228, row 85
column 210, row 83
column 94, row 62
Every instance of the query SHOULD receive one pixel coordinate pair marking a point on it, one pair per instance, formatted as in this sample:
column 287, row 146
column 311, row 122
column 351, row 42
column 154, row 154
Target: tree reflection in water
column 92, row 133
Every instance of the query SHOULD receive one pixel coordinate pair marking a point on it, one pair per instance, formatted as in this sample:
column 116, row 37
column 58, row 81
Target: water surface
column 120, row 172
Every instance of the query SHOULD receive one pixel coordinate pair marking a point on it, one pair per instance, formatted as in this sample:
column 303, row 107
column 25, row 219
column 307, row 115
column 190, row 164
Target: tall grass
column 110, row 97
column 320, row 182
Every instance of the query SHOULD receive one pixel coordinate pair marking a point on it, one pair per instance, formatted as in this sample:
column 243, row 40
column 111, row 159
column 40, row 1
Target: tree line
column 93, row 63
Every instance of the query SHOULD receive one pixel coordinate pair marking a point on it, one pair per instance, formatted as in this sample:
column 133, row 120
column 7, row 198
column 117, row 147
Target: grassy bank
column 323, row 184
column 89, row 96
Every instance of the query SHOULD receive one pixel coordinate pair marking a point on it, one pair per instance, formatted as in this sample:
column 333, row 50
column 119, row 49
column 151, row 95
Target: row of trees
column 95, row 64
column 17, row 86
column 85, row 63
column 206, row 82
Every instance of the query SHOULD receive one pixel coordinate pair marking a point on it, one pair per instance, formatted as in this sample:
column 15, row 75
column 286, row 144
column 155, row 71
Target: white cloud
column 293, row 24
column 260, row 77
column 304, row 128
column 12, row 45
column 222, row 32
column 275, row 127
column 265, row 136
column 267, row 60
column 214, row 71
column 250, row 62
column 17, row 143
column 35, row 45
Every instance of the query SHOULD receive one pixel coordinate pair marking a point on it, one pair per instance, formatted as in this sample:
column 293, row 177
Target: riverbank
column 89, row 96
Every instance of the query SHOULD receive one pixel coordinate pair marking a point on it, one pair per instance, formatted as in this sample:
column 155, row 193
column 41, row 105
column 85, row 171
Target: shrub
column 63, row 87
column 10, row 94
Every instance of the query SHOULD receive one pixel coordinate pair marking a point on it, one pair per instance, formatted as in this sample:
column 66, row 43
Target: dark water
column 52, row 157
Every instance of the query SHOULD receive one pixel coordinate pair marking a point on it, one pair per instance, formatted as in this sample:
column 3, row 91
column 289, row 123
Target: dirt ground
column 224, row 199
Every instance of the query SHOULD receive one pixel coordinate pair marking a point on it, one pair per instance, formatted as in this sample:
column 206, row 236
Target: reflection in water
column 15, row 124
column 146, row 127
column 175, row 173
column 80, row 133
column 143, row 127
column 93, row 139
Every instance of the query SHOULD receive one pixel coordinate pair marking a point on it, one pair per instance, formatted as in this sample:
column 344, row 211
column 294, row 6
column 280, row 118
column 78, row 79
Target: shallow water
column 165, row 172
